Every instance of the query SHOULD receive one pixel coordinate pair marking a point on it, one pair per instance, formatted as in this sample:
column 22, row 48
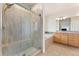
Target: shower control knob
column 3, row 27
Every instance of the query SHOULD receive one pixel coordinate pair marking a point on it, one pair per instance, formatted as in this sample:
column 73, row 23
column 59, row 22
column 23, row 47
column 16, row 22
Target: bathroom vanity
column 68, row 38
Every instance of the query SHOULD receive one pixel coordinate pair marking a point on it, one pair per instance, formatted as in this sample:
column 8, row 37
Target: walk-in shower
column 21, row 31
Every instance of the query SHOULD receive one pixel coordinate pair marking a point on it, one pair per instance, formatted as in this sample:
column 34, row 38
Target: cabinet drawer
column 73, row 40
column 57, row 37
column 64, row 38
column 74, row 43
column 73, row 36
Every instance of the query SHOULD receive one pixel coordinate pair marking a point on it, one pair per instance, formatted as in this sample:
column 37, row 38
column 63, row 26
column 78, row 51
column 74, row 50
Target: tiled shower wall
column 20, row 31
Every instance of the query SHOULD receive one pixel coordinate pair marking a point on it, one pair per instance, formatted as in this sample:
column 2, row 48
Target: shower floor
column 29, row 52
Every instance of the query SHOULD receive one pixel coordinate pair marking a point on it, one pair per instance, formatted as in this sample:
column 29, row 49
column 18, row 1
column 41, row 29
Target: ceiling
column 61, row 9
column 53, row 9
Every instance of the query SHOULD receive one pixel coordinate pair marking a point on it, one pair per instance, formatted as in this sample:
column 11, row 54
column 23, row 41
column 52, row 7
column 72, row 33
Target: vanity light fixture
column 57, row 18
column 64, row 17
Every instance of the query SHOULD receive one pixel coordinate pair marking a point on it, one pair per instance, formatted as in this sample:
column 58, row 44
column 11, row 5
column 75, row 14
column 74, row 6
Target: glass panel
column 16, row 31
column 22, row 32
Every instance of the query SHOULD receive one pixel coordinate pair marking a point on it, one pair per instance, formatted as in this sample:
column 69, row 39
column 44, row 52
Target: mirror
column 68, row 24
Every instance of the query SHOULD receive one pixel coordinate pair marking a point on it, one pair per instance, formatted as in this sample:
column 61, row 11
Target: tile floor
column 60, row 50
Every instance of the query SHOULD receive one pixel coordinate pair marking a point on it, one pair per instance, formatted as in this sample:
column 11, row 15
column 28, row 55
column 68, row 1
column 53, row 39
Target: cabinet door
column 57, row 37
column 64, row 38
column 74, row 40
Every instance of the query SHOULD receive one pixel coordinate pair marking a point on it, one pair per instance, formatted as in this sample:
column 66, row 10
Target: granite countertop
column 73, row 32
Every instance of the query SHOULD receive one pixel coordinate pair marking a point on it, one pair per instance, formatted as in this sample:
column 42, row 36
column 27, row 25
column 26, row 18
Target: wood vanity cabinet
column 67, row 38
column 57, row 37
column 73, row 40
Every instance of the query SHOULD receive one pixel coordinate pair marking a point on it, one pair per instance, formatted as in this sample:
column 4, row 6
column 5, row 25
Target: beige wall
column 0, row 28
column 75, row 23
column 50, row 24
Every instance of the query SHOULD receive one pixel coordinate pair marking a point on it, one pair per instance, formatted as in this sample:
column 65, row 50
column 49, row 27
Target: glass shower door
column 16, row 31
column 22, row 31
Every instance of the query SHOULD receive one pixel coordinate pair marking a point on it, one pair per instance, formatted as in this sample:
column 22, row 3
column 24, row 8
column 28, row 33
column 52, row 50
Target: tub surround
column 67, row 38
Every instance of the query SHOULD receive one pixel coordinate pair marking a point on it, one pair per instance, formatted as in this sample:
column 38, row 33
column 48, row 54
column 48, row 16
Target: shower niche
column 21, row 31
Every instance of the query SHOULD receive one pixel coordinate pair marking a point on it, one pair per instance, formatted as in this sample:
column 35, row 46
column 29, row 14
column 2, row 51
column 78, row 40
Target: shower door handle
column 3, row 27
